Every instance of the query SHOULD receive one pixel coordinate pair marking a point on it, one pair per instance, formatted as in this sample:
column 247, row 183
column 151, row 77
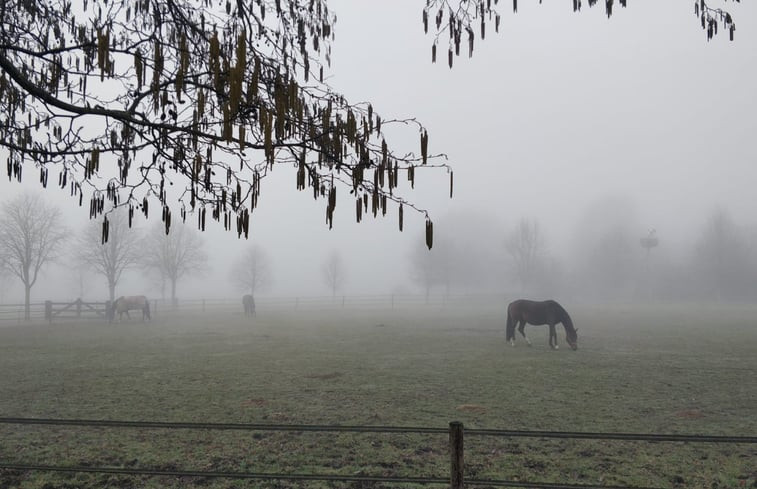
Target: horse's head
column 572, row 338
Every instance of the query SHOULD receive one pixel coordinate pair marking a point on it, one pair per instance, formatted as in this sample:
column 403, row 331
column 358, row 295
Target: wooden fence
column 455, row 480
column 15, row 312
column 77, row 309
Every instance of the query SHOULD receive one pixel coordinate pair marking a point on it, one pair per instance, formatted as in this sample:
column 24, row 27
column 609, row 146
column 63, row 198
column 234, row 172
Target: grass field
column 637, row 369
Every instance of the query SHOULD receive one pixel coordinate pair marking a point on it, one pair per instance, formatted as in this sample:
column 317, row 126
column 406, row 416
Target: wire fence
column 63, row 310
column 456, row 479
column 377, row 301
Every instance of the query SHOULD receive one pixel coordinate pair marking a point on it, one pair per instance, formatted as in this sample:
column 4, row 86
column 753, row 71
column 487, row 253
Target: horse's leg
column 553, row 337
column 522, row 329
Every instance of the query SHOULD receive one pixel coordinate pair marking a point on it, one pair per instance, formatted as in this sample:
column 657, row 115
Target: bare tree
column 31, row 235
column 333, row 272
column 112, row 258
column 422, row 270
column 525, row 246
column 175, row 254
column 252, row 271
column 441, row 266
column 722, row 258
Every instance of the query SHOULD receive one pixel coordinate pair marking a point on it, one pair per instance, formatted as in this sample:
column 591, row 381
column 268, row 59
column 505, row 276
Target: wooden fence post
column 456, row 455
column 49, row 311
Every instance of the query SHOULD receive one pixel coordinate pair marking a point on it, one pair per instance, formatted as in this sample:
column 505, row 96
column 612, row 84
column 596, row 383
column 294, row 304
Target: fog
column 598, row 130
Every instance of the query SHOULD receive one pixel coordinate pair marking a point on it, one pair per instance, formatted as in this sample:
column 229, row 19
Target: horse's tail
column 510, row 327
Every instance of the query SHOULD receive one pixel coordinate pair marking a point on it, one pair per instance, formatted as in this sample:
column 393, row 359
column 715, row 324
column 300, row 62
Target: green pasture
column 690, row 370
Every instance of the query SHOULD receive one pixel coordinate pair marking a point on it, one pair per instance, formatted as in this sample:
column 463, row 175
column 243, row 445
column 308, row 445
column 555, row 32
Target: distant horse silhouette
column 550, row 313
column 124, row 304
column 249, row 305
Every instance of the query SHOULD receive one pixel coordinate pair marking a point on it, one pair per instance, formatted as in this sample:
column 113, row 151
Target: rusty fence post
column 457, row 464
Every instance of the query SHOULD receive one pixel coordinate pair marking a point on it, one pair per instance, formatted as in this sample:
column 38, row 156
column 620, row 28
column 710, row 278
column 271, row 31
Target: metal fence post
column 456, row 455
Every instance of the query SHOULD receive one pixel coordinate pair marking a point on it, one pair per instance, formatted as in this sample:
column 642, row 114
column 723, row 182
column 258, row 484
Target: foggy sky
column 557, row 114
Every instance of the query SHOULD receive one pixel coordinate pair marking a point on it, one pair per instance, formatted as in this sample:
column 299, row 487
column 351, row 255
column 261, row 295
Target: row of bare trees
column 33, row 234
column 608, row 262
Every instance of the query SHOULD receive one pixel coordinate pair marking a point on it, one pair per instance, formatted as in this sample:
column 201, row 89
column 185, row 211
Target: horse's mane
column 566, row 320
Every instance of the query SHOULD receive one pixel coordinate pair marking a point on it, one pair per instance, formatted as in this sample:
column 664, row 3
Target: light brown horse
column 549, row 312
column 124, row 304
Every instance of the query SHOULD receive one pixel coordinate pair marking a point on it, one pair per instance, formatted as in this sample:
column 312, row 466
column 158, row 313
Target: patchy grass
column 664, row 370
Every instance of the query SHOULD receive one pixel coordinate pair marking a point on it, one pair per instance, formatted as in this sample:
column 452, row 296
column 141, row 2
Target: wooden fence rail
column 456, row 432
column 76, row 309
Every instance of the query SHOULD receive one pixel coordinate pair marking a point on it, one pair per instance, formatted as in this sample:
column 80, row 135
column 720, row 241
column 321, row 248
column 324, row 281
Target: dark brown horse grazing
column 524, row 311
column 248, row 301
column 123, row 305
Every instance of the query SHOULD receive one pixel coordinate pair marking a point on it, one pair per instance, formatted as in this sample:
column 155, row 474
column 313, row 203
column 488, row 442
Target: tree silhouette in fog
column 252, row 270
column 31, row 235
column 333, row 272
column 173, row 255
column 723, row 259
column 109, row 259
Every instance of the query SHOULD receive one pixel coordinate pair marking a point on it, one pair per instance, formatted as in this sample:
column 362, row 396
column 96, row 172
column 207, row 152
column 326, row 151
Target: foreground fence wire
column 456, row 479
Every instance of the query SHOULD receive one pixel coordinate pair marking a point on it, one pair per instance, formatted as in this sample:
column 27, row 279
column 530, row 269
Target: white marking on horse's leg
column 512, row 343
column 527, row 340
column 557, row 347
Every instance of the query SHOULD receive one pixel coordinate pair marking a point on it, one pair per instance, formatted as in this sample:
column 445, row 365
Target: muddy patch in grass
column 471, row 408
column 328, row 376
column 689, row 414
column 254, row 402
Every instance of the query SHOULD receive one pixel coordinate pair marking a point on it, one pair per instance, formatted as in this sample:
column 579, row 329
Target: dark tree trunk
column 27, row 296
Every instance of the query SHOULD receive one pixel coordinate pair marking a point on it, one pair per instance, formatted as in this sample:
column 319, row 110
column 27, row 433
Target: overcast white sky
column 553, row 114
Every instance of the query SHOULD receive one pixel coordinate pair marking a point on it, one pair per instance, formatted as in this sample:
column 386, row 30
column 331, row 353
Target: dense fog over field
column 572, row 137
